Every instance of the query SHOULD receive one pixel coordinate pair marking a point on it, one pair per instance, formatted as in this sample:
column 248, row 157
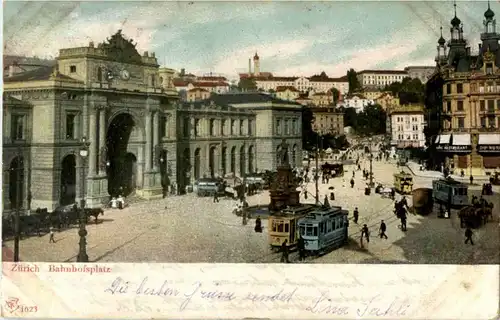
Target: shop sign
column 489, row 148
column 452, row 148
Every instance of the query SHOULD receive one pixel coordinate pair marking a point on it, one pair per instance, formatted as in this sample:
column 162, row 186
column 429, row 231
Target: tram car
column 324, row 228
column 283, row 225
column 403, row 182
column 450, row 192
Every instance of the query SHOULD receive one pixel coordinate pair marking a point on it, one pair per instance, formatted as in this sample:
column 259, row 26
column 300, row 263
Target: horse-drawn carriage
column 495, row 178
column 41, row 220
column 385, row 192
column 474, row 216
column 333, row 169
column 422, row 201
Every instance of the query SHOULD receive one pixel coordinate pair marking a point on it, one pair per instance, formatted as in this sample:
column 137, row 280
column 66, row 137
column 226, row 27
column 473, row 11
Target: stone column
column 167, row 127
column 93, row 143
column 148, row 149
column 156, row 133
column 102, row 139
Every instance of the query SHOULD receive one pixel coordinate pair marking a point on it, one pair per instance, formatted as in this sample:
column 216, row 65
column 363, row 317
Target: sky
column 291, row 38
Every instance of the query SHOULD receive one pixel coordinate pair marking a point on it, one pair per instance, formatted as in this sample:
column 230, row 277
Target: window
column 212, row 127
column 415, row 127
column 163, row 126
column 18, row 127
column 286, row 126
column 70, row 126
column 460, row 105
column 278, row 127
column 223, row 127
column 498, row 104
column 185, row 127
column 287, row 227
column 250, row 127
column 315, row 231
column 483, row 122
column 489, row 68
column 415, row 136
column 448, row 88
column 309, row 230
column 481, row 105
column 196, row 127
column 241, row 128
column 491, row 105
column 448, row 106
column 460, row 88
column 72, row 69
column 461, row 123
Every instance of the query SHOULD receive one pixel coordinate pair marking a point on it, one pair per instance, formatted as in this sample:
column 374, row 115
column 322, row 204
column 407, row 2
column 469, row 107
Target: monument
column 283, row 191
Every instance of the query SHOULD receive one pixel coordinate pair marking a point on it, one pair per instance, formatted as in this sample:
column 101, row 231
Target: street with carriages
column 195, row 229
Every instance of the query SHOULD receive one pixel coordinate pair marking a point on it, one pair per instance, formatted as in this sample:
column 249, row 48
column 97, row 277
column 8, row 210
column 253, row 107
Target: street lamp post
column 82, row 232
column 371, row 163
column 18, row 205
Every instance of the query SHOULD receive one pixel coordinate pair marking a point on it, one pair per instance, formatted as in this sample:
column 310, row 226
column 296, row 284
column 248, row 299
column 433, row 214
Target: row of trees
column 311, row 139
column 371, row 121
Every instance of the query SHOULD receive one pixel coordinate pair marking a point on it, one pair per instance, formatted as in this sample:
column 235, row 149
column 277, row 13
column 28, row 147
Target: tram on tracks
column 283, row 225
column 450, row 192
column 403, row 182
column 324, row 228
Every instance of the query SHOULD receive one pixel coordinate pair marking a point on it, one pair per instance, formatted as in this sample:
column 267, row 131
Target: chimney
column 11, row 71
column 249, row 66
column 91, row 44
column 153, row 54
column 146, row 54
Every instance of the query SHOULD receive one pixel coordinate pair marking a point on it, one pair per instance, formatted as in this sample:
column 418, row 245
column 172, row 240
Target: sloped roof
column 40, row 74
column 284, row 88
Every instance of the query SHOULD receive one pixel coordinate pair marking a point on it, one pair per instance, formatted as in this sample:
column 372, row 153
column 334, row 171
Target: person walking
column 51, row 239
column 355, row 215
column 468, row 236
column 352, row 183
column 301, row 244
column 353, row 174
column 258, row 225
column 365, row 233
column 216, row 197
column 284, row 252
column 471, row 179
column 403, row 221
column 382, row 230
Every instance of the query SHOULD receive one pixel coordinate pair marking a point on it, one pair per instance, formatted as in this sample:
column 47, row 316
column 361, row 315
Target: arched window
column 99, row 74
column 153, row 80
column 212, row 127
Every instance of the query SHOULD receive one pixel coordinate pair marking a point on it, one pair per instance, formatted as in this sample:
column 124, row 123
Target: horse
column 94, row 212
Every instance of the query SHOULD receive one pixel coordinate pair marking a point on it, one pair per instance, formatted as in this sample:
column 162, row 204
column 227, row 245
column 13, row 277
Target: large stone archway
column 120, row 164
column 67, row 193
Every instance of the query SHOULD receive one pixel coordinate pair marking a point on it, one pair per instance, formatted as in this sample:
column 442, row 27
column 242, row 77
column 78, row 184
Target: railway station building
column 107, row 120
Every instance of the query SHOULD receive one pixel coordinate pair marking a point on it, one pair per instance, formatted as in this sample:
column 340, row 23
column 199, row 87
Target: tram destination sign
column 489, row 148
column 452, row 148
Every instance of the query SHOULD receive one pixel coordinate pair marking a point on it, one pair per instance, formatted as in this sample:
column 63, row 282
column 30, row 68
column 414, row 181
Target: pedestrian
column 382, row 230
column 216, row 197
column 301, row 244
column 403, row 222
column 258, row 225
column 365, row 233
column 284, row 252
column 468, row 236
column 353, row 174
column 471, row 179
column 244, row 217
column 352, row 183
column 356, row 215
column 359, row 167
column 51, row 239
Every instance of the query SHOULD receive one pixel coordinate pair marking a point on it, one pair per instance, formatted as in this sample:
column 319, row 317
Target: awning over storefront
column 454, row 143
column 443, row 139
column 489, row 142
column 461, row 140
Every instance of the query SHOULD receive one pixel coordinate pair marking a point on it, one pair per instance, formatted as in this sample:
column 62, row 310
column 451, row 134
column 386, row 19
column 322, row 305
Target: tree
column 409, row 91
column 350, row 118
column 352, row 79
column 247, row 84
column 309, row 137
column 336, row 95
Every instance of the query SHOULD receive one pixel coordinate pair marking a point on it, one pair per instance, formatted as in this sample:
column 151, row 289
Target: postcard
column 277, row 160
